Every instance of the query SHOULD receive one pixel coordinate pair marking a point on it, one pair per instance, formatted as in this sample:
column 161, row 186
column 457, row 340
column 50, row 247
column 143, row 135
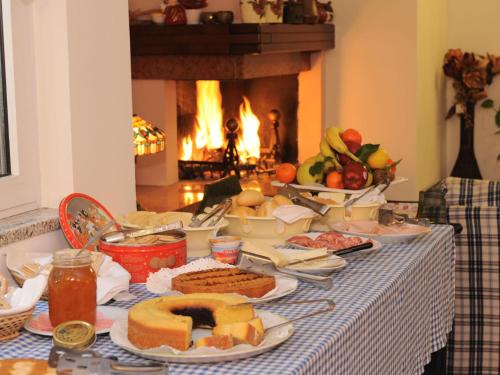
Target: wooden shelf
column 147, row 39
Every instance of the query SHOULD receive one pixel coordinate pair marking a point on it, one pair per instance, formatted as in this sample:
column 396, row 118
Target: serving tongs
column 90, row 362
column 294, row 195
column 121, row 235
column 387, row 216
column 329, row 302
column 217, row 213
column 261, row 264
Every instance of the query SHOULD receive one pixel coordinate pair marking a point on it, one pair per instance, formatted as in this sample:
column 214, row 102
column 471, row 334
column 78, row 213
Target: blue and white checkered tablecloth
column 394, row 308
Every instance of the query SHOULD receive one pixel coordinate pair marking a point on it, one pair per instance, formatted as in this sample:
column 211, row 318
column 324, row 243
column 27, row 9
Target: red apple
column 354, row 176
column 353, row 147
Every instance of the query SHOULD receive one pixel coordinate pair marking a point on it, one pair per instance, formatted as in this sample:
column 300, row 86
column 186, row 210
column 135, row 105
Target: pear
column 304, row 176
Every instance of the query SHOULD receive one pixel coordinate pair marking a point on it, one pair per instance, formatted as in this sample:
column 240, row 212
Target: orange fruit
column 351, row 135
column 334, row 180
column 286, row 173
column 393, row 168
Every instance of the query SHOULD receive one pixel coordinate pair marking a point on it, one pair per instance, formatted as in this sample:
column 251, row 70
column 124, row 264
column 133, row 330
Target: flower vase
column 252, row 11
column 466, row 164
column 274, row 11
column 193, row 16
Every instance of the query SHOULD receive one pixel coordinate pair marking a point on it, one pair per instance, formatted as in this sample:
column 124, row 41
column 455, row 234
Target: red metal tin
column 81, row 216
column 140, row 260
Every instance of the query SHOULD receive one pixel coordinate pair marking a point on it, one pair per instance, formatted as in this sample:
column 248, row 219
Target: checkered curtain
column 474, row 345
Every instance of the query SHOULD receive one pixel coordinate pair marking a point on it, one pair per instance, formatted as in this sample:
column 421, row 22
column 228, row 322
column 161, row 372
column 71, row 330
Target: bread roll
column 243, row 211
column 250, row 198
column 266, row 209
column 281, row 200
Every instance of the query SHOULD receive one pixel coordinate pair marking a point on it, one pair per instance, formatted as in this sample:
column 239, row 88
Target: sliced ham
column 331, row 240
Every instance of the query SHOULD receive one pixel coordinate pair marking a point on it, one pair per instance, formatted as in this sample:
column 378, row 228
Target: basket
column 11, row 324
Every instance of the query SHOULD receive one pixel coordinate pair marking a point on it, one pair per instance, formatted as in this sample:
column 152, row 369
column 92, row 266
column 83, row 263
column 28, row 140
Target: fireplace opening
column 236, row 126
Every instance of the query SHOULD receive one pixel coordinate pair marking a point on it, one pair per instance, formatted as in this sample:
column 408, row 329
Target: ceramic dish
column 264, row 227
column 272, row 338
column 371, row 229
column 106, row 315
column 377, row 245
column 320, row 187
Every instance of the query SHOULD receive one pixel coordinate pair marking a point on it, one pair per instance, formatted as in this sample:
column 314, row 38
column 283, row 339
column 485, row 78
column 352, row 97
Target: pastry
column 243, row 211
column 251, row 332
column 281, row 200
column 4, row 304
column 224, row 280
column 25, row 366
column 266, row 209
column 249, row 198
column 4, row 285
column 219, row 342
column 170, row 320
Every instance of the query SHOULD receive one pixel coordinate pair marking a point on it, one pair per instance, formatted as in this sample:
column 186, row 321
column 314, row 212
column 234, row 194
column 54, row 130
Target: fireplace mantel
column 239, row 51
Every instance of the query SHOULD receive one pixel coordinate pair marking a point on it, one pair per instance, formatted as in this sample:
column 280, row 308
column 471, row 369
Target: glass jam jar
column 72, row 288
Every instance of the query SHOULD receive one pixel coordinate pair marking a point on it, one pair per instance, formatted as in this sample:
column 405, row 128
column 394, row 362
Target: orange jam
column 72, row 288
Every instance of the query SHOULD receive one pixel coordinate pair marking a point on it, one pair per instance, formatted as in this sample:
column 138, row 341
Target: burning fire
column 249, row 142
column 209, row 133
column 187, row 148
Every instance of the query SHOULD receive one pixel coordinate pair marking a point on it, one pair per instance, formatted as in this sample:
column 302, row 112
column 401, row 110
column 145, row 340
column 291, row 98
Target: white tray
column 320, row 187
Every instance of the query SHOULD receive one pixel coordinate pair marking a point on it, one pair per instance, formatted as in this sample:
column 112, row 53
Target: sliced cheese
column 280, row 259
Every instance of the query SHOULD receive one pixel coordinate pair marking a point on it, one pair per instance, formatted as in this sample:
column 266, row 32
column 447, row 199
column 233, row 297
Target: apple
column 354, row 176
column 353, row 147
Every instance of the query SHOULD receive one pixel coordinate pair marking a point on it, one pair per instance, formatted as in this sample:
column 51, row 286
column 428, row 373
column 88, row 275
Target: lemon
column 378, row 159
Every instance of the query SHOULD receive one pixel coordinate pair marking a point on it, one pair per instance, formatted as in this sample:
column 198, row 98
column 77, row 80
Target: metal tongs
column 264, row 265
column 121, row 235
column 329, row 302
column 387, row 216
column 217, row 213
column 90, row 362
column 294, row 195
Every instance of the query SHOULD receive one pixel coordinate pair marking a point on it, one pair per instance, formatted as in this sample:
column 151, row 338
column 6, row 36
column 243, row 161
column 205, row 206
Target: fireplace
column 246, row 96
column 263, row 111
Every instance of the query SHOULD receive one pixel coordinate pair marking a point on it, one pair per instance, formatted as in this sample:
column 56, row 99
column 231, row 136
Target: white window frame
column 20, row 191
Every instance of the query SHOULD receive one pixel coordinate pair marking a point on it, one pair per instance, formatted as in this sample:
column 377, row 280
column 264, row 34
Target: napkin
column 25, row 298
column 112, row 278
column 292, row 213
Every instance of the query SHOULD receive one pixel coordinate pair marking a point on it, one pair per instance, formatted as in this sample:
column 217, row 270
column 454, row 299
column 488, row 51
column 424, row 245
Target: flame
column 248, row 144
column 187, row 148
column 209, row 131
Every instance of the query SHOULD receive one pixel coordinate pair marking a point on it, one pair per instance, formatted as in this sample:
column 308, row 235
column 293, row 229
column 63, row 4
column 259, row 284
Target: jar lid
column 74, row 334
column 81, row 216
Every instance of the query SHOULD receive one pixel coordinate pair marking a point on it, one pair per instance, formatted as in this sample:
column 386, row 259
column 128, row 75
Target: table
column 394, row 308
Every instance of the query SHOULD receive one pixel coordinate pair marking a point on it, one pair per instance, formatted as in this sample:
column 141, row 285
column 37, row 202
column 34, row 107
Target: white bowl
column 264, row 227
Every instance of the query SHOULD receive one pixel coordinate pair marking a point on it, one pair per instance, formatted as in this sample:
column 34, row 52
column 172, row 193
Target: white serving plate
column 412, row 231
column 320, row 187
column 110, row 312
column 272, row 338
column 329, row 265
column 377, row 245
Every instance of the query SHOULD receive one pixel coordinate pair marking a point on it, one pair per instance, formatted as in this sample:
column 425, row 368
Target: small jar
column 72, row 288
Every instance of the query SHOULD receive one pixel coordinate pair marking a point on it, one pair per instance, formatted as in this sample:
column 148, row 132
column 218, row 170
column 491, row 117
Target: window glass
column 4, row 134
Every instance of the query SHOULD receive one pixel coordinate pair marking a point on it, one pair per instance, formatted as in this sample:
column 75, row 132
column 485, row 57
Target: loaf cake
column 170, row 320
column 219, row 342
column 251, row 332
column 224, row 280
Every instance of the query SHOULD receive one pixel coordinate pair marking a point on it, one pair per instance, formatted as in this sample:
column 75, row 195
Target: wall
column 84, row 101
column 474, row 27
column 371, row 82
column 431, row 106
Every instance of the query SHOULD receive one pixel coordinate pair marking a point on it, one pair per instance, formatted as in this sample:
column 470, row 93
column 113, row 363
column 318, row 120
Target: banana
column 326, row 149
column 336, row 162
column 334, row 140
